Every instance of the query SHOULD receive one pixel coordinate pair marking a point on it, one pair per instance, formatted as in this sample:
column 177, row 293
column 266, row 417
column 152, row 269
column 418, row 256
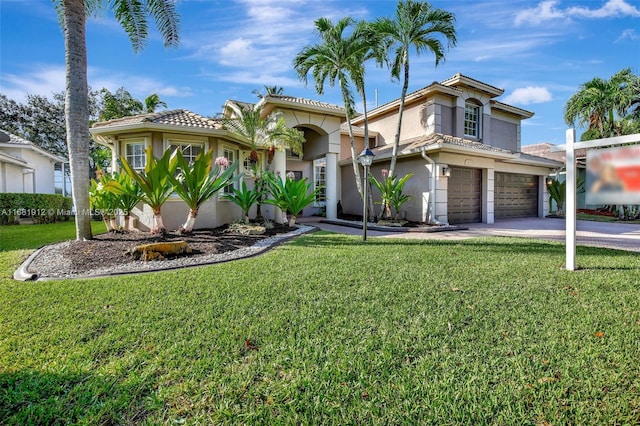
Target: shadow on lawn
column 485, row 245
column 33, row 397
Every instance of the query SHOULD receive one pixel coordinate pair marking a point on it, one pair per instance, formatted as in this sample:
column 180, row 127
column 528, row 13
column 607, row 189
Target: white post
column 570, row 207
column 331, row 174
column 279, row 167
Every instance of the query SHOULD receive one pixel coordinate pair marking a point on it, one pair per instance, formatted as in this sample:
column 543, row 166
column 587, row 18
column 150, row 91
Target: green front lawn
column 327, row 330
column 13, row 237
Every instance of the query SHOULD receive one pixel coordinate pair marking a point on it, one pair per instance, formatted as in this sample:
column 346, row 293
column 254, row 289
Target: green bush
column 42, row 208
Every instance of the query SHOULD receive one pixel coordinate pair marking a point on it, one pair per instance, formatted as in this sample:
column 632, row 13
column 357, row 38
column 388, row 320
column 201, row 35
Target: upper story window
column 472, row 116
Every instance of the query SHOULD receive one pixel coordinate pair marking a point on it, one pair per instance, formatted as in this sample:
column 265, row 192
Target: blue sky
column 538, row 51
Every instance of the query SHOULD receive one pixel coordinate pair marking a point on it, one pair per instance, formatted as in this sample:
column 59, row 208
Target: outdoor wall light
column 446, row 171
column 366, row 158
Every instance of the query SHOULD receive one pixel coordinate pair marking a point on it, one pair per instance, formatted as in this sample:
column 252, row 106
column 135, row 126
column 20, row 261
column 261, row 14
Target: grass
column 14, row 237
column 600, row 218
column 327, row 330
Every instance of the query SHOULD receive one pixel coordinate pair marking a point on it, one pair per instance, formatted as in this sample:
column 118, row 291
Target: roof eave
column 522, row 113
column 34, row 148
column 268, row 100
column 390, row 106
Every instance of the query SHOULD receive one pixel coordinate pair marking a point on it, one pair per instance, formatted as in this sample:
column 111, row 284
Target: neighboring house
column 25, row 167
column 544, row 150
column 462, row 145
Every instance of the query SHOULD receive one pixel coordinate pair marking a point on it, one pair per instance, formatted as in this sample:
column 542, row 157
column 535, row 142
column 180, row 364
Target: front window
column 231, row 155
column 135, row 155
column 472, row 120
column 190, row 150
column 320, row 179
column 251, row 162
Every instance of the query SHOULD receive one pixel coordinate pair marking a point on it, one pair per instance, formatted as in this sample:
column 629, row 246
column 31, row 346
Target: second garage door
column 515, row 195
column 464, row 195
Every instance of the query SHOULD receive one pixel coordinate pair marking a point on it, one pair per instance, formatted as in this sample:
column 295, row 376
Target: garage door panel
column 464, row 195
column 515, row 195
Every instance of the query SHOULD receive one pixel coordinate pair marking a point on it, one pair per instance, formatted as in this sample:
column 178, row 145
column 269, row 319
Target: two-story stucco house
column 461, row 144
column 25, row 167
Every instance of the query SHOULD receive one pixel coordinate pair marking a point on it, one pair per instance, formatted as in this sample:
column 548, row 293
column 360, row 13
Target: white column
column 488, row 196
column 571, row 201
column 279, row 166
column 332, row 185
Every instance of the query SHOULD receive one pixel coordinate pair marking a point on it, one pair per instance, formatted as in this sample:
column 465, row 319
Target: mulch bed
column 108, row 249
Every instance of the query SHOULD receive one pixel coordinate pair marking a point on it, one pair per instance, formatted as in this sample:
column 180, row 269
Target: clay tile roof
column 310, row 102
column 176, row 117
column 357, row 131
column 414, row 145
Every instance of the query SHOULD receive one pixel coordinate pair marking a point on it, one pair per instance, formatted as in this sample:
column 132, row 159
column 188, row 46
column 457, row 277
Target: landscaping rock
column 242, row 229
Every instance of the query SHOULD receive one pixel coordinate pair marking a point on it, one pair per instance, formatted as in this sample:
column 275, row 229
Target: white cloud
column 41, row 80
column 610, row 9
column 529, row 95
column 545, row 11
column 548, row 10
column 265, row 38
column 628, row 34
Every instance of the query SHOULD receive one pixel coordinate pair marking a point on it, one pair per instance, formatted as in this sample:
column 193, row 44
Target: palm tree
column 153, row 101
column 132, row 16
column 605, row 107
column 338, row 57
column 416, row 25
column 269, row 91
column 258, row 130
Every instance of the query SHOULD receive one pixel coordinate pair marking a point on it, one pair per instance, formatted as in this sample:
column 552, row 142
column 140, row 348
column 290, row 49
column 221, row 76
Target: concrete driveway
column 597, row 234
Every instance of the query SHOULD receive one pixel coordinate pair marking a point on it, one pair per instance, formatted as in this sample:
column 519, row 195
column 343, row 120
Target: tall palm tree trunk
column 354, row 155
column 77, row 112
column 371, row 211
column 396, row 142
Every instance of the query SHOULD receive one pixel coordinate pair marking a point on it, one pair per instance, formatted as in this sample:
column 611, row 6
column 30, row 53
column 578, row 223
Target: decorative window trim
column 184, row 140
column 244, row 156
column 472, row 115
column 139, row 140
column 320, row 179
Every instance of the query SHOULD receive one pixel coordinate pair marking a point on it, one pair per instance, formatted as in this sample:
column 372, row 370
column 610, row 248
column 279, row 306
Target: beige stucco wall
column 417, row 187
column 12, row 179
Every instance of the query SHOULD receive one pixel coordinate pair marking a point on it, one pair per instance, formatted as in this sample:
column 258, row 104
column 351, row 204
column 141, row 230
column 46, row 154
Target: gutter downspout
column 432, row 187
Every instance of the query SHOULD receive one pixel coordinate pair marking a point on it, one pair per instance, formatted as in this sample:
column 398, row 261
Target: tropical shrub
column 197, row 182
column 291, row 195
column 390, row 189
column 244, row 198
column 128, row 194
column 103, row 201
column 558, row 192
column 155, row 182
column 42, row 208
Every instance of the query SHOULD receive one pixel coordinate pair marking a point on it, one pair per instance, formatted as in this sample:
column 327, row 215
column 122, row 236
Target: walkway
column 597, row 234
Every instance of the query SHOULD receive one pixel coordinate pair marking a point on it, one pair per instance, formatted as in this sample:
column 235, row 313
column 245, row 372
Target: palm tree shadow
column 35, row 397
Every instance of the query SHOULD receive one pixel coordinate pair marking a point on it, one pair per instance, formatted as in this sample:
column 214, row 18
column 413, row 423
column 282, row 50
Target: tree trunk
column 157, row 216
column 370, row 209
column 127, row 223
column 396, row 141
column 354, row 155
column 292, row 221
column 191, row 220
column 77, row 112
